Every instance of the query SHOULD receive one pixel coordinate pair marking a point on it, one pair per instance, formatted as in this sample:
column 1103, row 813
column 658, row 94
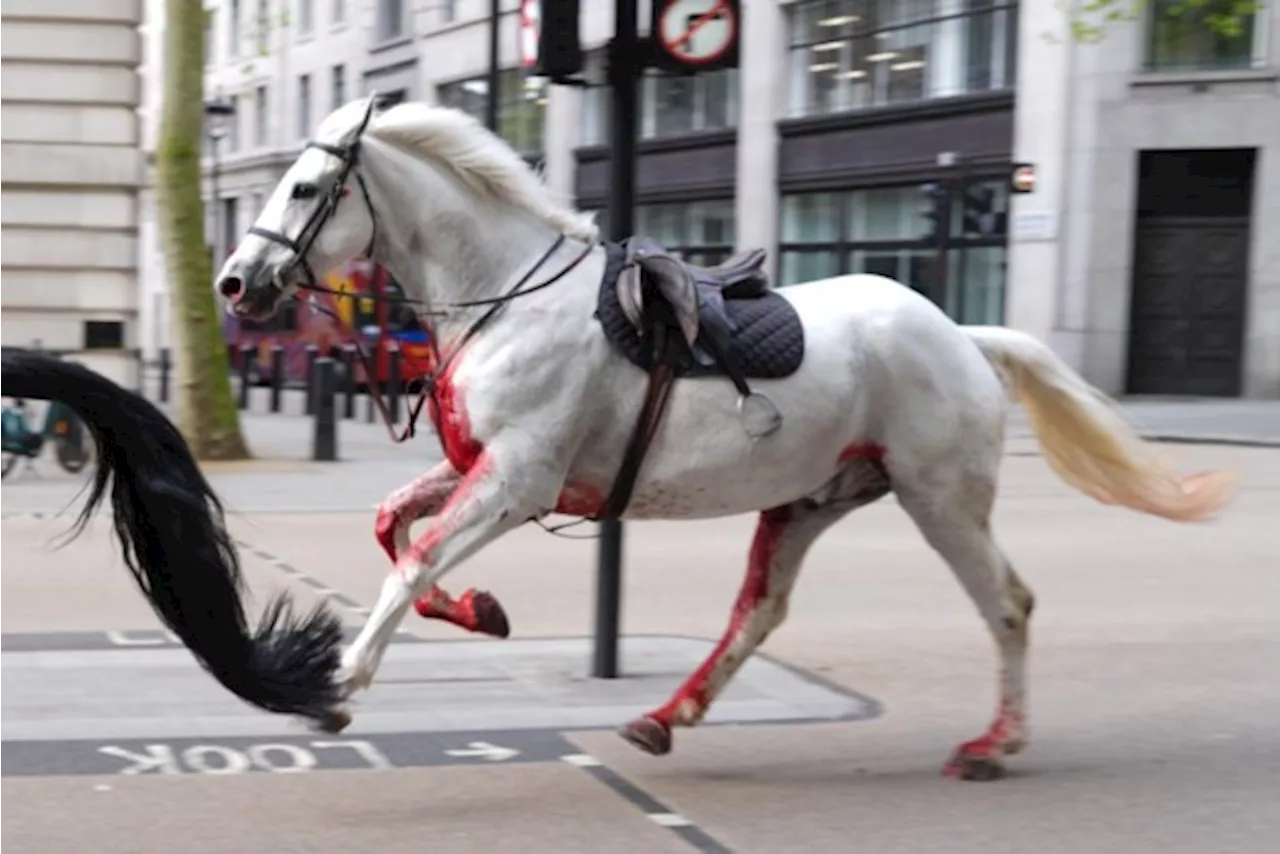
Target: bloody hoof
column 649, row 735
column 490, row 618
column 982, row 769
column 333, row 722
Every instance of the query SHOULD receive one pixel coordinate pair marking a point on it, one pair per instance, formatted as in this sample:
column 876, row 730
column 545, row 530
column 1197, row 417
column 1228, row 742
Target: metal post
column 625, row 63
column 393, row 383
column 349, row 381
column 324, row 439
column 491, row 105
column 165, row 364
column 277, row 377
column 309, row 406
column 247, row 352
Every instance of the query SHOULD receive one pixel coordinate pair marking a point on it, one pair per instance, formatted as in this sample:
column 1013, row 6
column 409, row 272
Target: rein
column 496, row 305
column 349, row 155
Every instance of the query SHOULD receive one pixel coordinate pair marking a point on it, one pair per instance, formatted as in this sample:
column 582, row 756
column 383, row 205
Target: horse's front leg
column 475, row 610
column 498, row 494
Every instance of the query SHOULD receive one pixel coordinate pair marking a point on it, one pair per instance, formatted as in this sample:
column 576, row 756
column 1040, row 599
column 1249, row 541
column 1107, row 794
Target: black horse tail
column 175, row 542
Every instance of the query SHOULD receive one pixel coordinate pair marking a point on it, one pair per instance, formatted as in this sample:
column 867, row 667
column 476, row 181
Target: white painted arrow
column 485, row 750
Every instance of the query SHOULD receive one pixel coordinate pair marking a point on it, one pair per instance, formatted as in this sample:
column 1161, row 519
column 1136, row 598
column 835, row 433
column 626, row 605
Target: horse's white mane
column 480, row 159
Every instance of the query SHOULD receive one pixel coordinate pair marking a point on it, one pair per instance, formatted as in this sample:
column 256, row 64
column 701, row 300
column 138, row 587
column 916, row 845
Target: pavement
column 1153, row 691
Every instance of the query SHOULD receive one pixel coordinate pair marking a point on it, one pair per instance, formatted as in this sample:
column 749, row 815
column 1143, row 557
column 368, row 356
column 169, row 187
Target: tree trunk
column 207, row 414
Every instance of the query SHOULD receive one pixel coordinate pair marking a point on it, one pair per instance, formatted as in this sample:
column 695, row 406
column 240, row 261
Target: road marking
column 485, row 750
column 319, row 587
column 653, row 809
column 232, row 756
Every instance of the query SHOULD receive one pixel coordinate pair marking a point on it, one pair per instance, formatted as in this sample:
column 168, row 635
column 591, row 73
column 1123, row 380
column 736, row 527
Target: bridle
column 349, row 154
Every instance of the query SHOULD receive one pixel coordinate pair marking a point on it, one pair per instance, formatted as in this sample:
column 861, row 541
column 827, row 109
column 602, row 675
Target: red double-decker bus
column 367, row 307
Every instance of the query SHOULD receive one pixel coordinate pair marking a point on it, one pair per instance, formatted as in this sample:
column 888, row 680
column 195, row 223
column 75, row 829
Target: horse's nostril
column 231, row 287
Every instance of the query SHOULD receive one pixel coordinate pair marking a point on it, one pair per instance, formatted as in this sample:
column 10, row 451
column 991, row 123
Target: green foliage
column 1090, row 20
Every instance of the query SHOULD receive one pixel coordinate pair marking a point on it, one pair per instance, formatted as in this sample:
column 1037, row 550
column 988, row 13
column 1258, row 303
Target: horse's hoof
column 334, row 721
column 981, row 769
column 491, row 619
column 651, row 736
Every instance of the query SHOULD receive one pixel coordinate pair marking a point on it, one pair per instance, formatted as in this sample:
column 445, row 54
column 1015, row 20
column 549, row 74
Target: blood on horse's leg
column 783, row 535
column 956, row 523
column 475, row 611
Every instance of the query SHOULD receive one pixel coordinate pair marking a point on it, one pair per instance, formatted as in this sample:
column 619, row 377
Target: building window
column 700, row 232
column 304, row 106
column 390, row 19
column 260, row 116
column 854, row 54
column 387, row 100
column 338, row 86
column 233, row 124
column 669, row 104
column 230, row 227
column 338, row 12
column 880, row 230
column 1179, row 39
column 233, row 29
column 103, row 335
column 522, row 106
column 306, row 17
column 262, row 27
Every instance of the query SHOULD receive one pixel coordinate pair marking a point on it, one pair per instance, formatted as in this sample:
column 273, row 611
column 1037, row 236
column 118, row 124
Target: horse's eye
column 304, row 191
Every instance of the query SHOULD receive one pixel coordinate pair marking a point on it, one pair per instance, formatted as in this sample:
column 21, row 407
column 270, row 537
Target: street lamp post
column 218, row 114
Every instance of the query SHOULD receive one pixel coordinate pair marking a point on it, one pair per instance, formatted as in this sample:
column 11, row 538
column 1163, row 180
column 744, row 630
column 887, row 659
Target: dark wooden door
column 1187, row 317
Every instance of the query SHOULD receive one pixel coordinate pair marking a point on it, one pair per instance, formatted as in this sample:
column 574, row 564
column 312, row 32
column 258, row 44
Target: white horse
column 534, row 407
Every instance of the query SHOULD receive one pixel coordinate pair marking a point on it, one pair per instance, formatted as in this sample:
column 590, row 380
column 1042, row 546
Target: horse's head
column 303, row 230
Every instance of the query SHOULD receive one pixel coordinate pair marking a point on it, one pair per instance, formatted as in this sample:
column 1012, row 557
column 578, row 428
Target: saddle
column 674, row 319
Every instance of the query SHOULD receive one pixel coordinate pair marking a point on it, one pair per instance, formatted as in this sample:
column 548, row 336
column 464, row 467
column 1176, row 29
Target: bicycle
column 61, row 427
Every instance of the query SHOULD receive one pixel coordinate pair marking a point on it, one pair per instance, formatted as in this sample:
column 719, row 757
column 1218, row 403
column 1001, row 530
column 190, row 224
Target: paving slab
column 422, row 687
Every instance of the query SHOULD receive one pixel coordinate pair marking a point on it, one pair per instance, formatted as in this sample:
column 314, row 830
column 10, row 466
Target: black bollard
column 349, row 381
column 247, row 353
column 393, row 383
column 277, row 377
column 313, row 353
column 324, row 442
column 166, row 365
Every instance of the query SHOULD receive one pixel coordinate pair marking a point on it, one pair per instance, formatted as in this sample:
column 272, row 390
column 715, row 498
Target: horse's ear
column 368, row 115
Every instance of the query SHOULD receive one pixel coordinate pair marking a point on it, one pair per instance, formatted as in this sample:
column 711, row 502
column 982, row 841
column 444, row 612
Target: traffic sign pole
column 625, row 63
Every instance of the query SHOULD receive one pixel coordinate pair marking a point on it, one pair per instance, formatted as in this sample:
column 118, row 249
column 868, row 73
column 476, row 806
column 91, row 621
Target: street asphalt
column 1153, row 689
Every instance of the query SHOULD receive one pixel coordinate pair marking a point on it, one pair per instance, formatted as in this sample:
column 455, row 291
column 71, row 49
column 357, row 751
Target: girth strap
column 657, row 393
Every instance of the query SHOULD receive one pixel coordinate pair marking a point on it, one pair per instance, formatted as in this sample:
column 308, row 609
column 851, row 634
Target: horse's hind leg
column 783, row 536
column 474, row 610
column 956, row 521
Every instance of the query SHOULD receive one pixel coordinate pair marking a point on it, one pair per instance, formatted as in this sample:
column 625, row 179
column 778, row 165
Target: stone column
column 762, row 87
column 71, row 169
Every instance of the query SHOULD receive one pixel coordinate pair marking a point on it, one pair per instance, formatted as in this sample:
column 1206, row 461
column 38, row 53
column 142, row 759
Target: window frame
column 797, row 108
column 306, row 95
column 385, row 26
column 337, row 85
column 956, row 244
column 1258, row 48
column 596, row 103
column 695, row 252
column 512, row 86
column 261, row 115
